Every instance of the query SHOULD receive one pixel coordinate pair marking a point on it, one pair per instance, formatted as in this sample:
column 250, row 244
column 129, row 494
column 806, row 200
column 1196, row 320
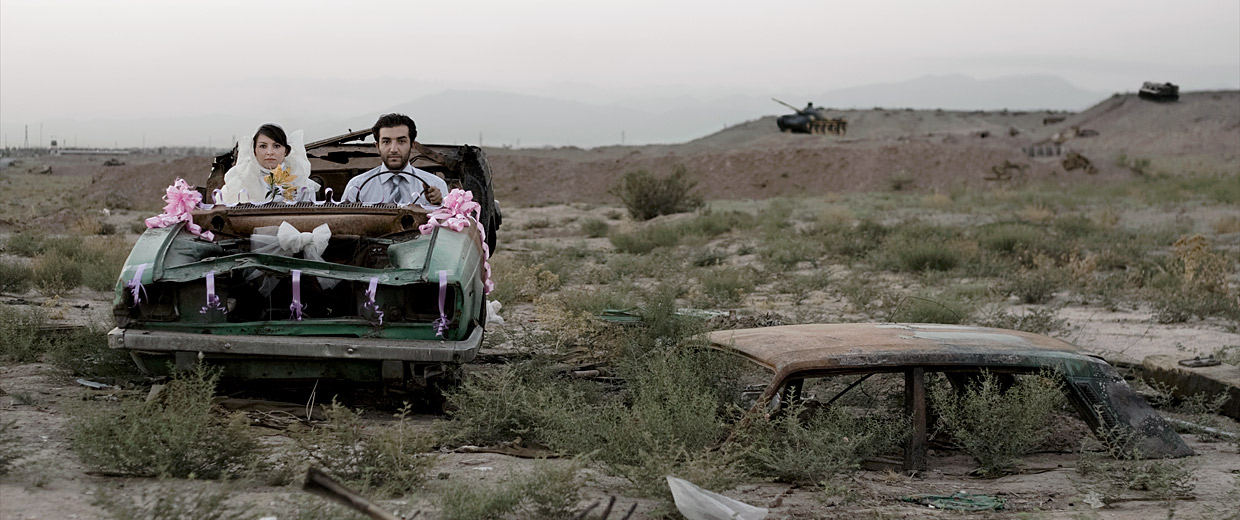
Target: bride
column 270, row 167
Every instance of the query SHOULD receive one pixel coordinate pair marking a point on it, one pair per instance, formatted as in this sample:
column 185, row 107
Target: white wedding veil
column 244, row 181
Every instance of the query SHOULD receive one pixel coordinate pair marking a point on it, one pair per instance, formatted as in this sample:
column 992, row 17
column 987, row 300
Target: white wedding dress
column 247, row 181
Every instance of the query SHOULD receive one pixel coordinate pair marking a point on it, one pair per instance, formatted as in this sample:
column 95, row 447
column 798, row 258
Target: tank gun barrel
column 789, row 106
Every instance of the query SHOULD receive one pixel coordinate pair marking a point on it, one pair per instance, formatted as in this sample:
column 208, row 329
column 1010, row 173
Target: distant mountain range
column 495, row 118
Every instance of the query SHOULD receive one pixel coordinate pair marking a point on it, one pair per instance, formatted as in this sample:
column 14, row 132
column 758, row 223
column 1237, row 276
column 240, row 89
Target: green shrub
column 390, row 460
column 595, row 228
column 21, row 340
column 647, row 196
column 56, row 274
column 523, row 400
column 14, row 277
column 1009, row 238
column 1035, row 285
column 169, row 502
column 84, row 351
column 646, row 239
column 550, row 491
column 1123, row 470
column 172, row 435
column 725, row 286
column 11, row 447
column 924, row 255
column 25, row 243
column 785, row 250
column 1037, row 321
column 808, row 448
column 997, row 426
column 916, row 309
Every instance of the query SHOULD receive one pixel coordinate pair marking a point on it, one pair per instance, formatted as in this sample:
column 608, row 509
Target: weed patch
column 1124, row 470
column 390, row 461
column 550, row 491
column 595, row 228
column 808, row 448
column 917, row 309
column 173, row 435
column 723, row 286
column 20, row 340
column 518, row 281
column 14, row 277
column 646, row 239
column 11, row 447
column 167, row 502
column 1038, row 321
column 994, row 425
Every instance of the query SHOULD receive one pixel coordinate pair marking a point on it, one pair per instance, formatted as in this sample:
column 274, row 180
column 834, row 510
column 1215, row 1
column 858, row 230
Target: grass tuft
column 997, row 425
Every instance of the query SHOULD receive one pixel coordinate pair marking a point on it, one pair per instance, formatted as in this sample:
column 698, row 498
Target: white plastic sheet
column 696, row 503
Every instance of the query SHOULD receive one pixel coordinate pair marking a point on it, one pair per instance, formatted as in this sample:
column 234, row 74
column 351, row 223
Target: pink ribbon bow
column 458, row 212
column 180, row 199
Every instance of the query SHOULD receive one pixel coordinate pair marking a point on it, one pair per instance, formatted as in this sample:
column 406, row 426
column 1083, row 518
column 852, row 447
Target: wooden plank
column 915, row 407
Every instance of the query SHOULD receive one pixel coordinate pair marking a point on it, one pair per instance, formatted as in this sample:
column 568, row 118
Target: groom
column 396, row 181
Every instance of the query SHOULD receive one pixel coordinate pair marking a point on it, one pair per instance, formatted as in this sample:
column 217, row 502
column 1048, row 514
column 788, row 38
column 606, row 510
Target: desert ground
column 912, row 216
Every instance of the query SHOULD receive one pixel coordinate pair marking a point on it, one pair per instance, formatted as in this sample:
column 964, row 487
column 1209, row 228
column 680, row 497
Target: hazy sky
column 88, row 60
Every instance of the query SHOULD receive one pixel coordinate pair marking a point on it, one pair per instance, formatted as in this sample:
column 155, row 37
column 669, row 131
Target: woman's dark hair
column 393, row 121
column 273, row 132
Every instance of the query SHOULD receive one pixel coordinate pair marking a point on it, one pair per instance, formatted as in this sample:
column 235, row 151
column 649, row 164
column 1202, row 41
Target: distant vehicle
column 810, row 120
column 1159, row 91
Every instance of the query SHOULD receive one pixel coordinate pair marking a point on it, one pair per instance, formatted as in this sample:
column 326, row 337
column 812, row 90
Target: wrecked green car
column 387, row 295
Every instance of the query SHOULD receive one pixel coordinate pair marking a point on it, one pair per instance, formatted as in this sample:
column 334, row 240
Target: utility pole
column 622, row 138
column 480, row 139
column 40, row 135
column 26, row 143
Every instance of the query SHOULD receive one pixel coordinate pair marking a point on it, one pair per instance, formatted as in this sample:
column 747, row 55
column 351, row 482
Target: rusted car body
column 382, row 302
column 1101, row 397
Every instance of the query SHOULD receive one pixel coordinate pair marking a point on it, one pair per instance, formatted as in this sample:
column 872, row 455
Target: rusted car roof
column 843, row 345
column 1101, row 396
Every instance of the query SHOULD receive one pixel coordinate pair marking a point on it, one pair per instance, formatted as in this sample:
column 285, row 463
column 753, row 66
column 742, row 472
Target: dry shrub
column 1227, row 224
column 1201, row 267
column 937, row 201
column 1124, row 469
column 836, row 217
column 11, row 447
column 1037, row 213
column 647, row 196
column 518, row 281
column 169, row 502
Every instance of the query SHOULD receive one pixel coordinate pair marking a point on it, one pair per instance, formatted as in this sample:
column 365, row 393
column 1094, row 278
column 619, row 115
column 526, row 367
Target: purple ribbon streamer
column 296, row 306
column 441, row 324
column 135, row 284
column 213, row 301
column 370, row 305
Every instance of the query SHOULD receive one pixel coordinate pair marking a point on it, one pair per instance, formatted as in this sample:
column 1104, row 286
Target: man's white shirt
column 375, row 186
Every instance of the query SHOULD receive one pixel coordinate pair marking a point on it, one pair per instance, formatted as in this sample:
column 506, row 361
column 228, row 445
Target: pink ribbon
column 370, row 304
column 296, row 306
column 135, row 284
column 181, row 199
column 458, row 212
column 213, row 301
column 441, row 324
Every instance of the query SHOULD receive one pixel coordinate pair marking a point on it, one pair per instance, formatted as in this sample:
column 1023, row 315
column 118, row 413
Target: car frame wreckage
column 393, row 293
column 1101, row 397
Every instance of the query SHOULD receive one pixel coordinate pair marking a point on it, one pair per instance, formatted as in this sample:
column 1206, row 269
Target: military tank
column 1159, row 91
column 810, row 120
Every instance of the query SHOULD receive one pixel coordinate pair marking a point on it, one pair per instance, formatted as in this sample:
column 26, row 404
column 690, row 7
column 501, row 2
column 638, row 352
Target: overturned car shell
column 1099, row 394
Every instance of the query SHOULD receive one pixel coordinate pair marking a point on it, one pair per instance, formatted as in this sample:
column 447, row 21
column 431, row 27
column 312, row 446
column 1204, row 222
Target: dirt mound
column 883, row 148
column 142, row 186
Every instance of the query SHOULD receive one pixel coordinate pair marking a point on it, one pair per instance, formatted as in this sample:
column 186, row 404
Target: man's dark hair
column 393, row 121
column 273, row 132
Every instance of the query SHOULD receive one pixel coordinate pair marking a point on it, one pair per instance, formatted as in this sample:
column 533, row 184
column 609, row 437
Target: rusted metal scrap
column 1100, row 395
